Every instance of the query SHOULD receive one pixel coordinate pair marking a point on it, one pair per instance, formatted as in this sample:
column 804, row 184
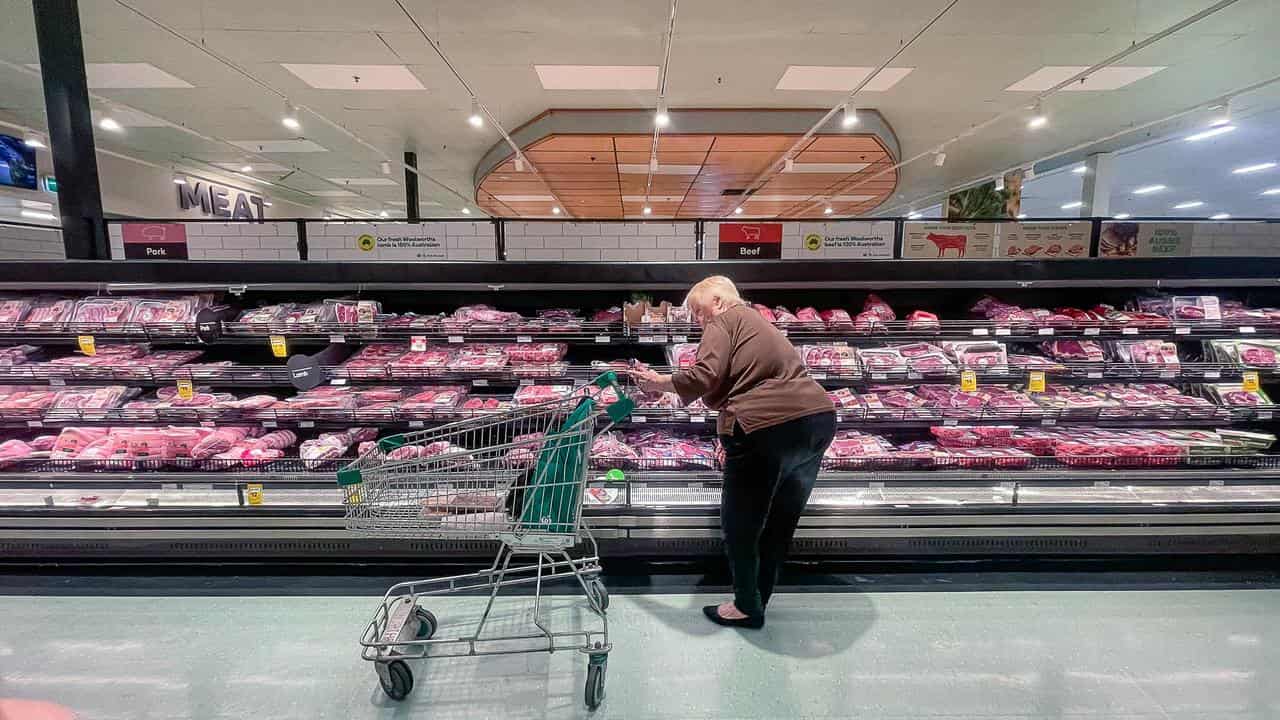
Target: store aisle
column 1013, row 655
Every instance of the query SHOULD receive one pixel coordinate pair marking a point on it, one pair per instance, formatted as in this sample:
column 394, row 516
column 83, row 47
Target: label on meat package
column 87, row 344
column 279, row 346
column 456, row 339
column 968, row 381
column 1046, row 331
column 639, row 419
column 185, row 390
column 338, row 381
column 697, row 418
column 1263, row 415
column 1035, row 381
column 950, row 422
column 653, row 339
column 1247, row 330
column 602, row 339
column 1091, row 331
column 1250, row 382
column 418, row 343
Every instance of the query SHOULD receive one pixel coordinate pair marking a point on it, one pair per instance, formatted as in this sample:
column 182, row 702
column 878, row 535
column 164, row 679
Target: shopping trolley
column 516, row 477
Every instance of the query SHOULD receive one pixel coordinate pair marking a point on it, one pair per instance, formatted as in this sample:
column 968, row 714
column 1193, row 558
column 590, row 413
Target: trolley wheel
column 427, row 623
column 598, row 593
column 397, row 680
column 594, row 694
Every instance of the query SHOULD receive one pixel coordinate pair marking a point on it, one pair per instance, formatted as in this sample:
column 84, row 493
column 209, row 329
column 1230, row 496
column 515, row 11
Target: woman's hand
column 651, row 381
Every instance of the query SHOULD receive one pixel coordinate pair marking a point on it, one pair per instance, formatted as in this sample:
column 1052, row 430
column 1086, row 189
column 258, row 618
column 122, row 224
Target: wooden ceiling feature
column 605, row 177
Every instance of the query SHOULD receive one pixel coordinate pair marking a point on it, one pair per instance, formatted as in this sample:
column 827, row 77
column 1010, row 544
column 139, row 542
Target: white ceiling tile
column 332, row 193
column 300, row 145
column 841, row 78
column 259, row 167
column 364, row 181
column 597, row 77
column 355, row 77
column 119, row 76
column 1109, row 78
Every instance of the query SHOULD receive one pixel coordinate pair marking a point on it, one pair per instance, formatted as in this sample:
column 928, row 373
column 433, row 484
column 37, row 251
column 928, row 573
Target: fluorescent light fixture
column 1073, row 205
column 662, row 118
column 179, row 180
column 466, row 211
column 939, row 159
column 1037, row 121
column 656, row 169
column 555, row 210
column 850, row 116
column 1272, row 191
column 246, row 168
column 1022, row 216
column 1148, row 189
column 1220, row 216
column 828, row 168
column 1253, row 168
column 108, row 123
column 37, row 215
column 914, row 215
column 827, row 210
column 1079, row 169
column 383, row 213
column 290, row 117
column 1211, row 132
column 647, row 210
column 1224, row 116
column 33, row 141
column 737, row 210
column 1188, row 205
column 1120, row 216
column 475, row 119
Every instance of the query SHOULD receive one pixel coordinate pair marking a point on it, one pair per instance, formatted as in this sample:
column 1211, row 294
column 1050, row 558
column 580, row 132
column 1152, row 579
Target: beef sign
column 750, row 241
column 217, row 201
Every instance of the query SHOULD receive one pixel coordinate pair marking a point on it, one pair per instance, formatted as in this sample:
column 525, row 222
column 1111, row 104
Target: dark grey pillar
column 66, row 100
column 411, row 188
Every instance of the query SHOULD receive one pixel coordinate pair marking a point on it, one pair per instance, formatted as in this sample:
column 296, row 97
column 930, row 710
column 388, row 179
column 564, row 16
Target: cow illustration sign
column 750, row 241
column 154, row 241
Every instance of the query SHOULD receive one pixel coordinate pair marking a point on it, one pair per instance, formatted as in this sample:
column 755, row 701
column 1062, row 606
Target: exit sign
column 50, row 184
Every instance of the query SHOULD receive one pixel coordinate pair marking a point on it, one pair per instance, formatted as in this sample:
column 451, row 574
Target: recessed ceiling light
column 850, row 116
column 266, row 203
column 355, row 77
column 1212, row 132
column 1037, row 121
column 827, row 210
column 1188, row 205
column 108, row 123
column 647, row 210
column 1254, row 168
column 1120, row 216
column 662, row 118
column 1148, row 189
column 466, row 211
column 1073, row 205
column 179, row 180
column 246, row 168
column 1108, row 78
column 1220, row 216
column 737, row 210
column 1079, row 169
column 290, row 117
column 1022, row 216
column 555, row 210
column 1272, row 191
column 914, row 216
column 383, row 213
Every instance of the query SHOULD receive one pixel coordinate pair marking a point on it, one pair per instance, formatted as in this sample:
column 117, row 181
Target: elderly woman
column 775, row 424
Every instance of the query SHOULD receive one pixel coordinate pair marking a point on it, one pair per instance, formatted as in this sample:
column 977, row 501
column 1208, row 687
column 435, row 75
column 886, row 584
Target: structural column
column 66, row 100
column 411, row 187
column 1095, row 192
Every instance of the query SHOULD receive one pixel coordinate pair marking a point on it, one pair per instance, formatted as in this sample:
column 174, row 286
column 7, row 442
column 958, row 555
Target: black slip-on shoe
column 750, row 622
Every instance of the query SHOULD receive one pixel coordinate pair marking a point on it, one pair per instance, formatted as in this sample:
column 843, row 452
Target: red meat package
column 921, row 320
column 836, row 358
column 103, row 310
column 14, row 309
column 608, row 449
column 49, row 311
column 978, row 355
column 71, row 441
column 538, row 394
column 879, row 307
column 808, row 315
column 156, row 312
column 868, row 321
column 765, row 312
column 836, row 318
column 1074, row 350
column 844, row 398
column 535, row 352
column 1148, row 352
column 881, row 360
column 434, row 399
column 12, row 451
column 221, row 440
column 682, row 355
column 785, row 316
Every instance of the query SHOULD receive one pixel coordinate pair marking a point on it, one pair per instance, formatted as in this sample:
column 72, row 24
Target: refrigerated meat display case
column 1064, row 408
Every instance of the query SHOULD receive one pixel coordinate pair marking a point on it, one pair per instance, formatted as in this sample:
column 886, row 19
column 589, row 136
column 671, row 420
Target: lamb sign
column 216, row 201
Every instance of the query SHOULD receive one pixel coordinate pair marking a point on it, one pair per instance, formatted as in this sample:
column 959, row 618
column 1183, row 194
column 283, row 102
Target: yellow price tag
column 279, row 347
column 1035, row 381
column 968, row 381
column 253, row 493
column 1251, row 383
column 87, row 344
column 185, row 390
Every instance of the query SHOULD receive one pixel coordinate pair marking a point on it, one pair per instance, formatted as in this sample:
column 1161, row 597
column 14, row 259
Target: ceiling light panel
column 355, row 77
column 367, row 181
column 1108, row 78
column 300, row 145
column 261, row 167
column 839, row 78
column 121, row 76
column 597, row 77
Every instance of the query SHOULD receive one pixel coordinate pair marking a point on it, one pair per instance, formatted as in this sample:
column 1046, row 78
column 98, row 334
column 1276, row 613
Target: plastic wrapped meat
column 881, row 360
column 91, row 398
column 43, row 443
column 610, row 450
column 844, row 398
column 836, row 318
column 1034, row 362
column 350, row 312
column 978, row 355
column 921, row 320
column 1074, row 350
column 879, row 307
column 429, row 361
column 1148, row 352
column 535, row 352
column 835, row 358
column 663, row 450
column 525, row 449
column 483, row 404
column 221, row 440
column 468, row 315
column 265, row 315
column 853, row 450
column 330, row 446
column 611, row 315
column 785, row 316
column 808, row 315
column 682, row 355
column 444, row 398
column 14, row 309
column 71, row 441
column 657, row 401
column 154, row 312
column 538, row 394
column 12, row 451
column 150, row 444
column 17, row 355
column 103, row 310
column 1197, row 307
column 50, row 311
column 957, row 436
column 478, row 361
column 1233, row 395
column 868, row 321
column 765, row 312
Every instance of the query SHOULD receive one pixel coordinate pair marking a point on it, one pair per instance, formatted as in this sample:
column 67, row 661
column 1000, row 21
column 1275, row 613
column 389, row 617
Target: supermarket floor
column 890, row 651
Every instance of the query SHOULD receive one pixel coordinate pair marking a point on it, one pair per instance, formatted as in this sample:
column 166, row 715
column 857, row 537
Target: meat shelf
column 585, row 332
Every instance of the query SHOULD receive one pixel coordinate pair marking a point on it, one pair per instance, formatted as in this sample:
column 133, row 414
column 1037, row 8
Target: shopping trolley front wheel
column 597, row 593
column 597, row 665
column 396, row 679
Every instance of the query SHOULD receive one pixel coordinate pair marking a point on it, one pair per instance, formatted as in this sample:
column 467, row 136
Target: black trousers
column 768, row 476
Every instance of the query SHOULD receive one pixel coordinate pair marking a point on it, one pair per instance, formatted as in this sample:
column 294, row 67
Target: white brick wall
column 1236, row 239
column 18, row 242
column 608, row 241
column 228, row 241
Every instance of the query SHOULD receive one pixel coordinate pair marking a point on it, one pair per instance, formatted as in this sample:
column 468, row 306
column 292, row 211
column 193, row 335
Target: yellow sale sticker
column 1251, row 383
column 185, row 390
column 253, row 493
column 968, row 381
column 279, row 347
column 87, row 345
column 1035, row 382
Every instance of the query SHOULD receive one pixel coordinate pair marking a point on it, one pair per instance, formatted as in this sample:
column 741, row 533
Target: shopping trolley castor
column 517, row 477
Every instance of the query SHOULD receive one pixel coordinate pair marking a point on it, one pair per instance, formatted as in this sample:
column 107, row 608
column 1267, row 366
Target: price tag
column 1035, row 381
column 87, row 345
column 1167, row 374
column 968, row 381
column 306, row 423
column 456, row 339
column 1094, row 375
column 697, row 418
column 524, row 338
column 653, row 339
column 1049, row 421
column 185, row 391
column 1102, row 483
column 680, row 338
column 1091, row 331
column 417, row 423
column 602, row 339
column 57, row 382
column 949, row 422
column 1212, row 374
column 639, row 419
column 525, row 382
column 1250, row 382
column 1247, row 330
column 1182, row 330
column 418, row 343
column 337, row 338
column 253, row 493
column 1264, row 415
column 818, row 375
column 913, row 375
column 35, row 423
column 1003, row 331
column 480, row 382
column 879, row 376
column 1129, row 331
column 268, row 423
column 279, row 346
column 1045, row 331
column 981, row 331
column 338, row 381
column 1217, row 483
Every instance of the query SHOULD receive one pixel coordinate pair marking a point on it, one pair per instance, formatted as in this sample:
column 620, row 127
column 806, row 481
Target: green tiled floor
column 1009, row 655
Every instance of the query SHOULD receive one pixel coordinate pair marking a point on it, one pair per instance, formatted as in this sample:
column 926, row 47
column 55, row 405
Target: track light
column 385, row 167
column 246, row 168
column 737, row 210
column 109, row 123
column 466, row 211
column 33, row 141
column 383, row 213
column 661, row 118
column 827, row 210
column 555, row 210
column 476, row 120
column 913, row 215
column 1038, row 118
column 647, row 210
column 290, row 117
column 939, row 158
column 519, row 163
column 999, row 183
column 788, row 165
column 850, row 116
column 266, row 203
column 179, row 180
column 1223, row 114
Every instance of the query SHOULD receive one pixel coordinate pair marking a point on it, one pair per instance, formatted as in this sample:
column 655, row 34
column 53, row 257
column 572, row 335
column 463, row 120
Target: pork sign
column 218, row 201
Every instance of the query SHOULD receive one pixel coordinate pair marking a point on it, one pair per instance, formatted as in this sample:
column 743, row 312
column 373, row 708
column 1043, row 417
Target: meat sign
column 218, row 201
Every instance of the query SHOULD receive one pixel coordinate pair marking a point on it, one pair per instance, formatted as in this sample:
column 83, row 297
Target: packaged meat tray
column 976, row 355
column 853, row 450
column 874, row 304
column 1198, row 308
column 682, row 355
column 1071, row 350
column 1148, row 352
column 1234, row 395
column 869, row 322
column 540, row 370
column 13, row 310
column 48, row 313
column 834, row 359
column 921, row 320
column 881, row 360
column 97, row 311
column 538, row 394
column 1245, row 353
column 351, row 312
column 535, row 352
column 165, row 312
column 265, row 315
column 836, row 319
column 661, row 450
